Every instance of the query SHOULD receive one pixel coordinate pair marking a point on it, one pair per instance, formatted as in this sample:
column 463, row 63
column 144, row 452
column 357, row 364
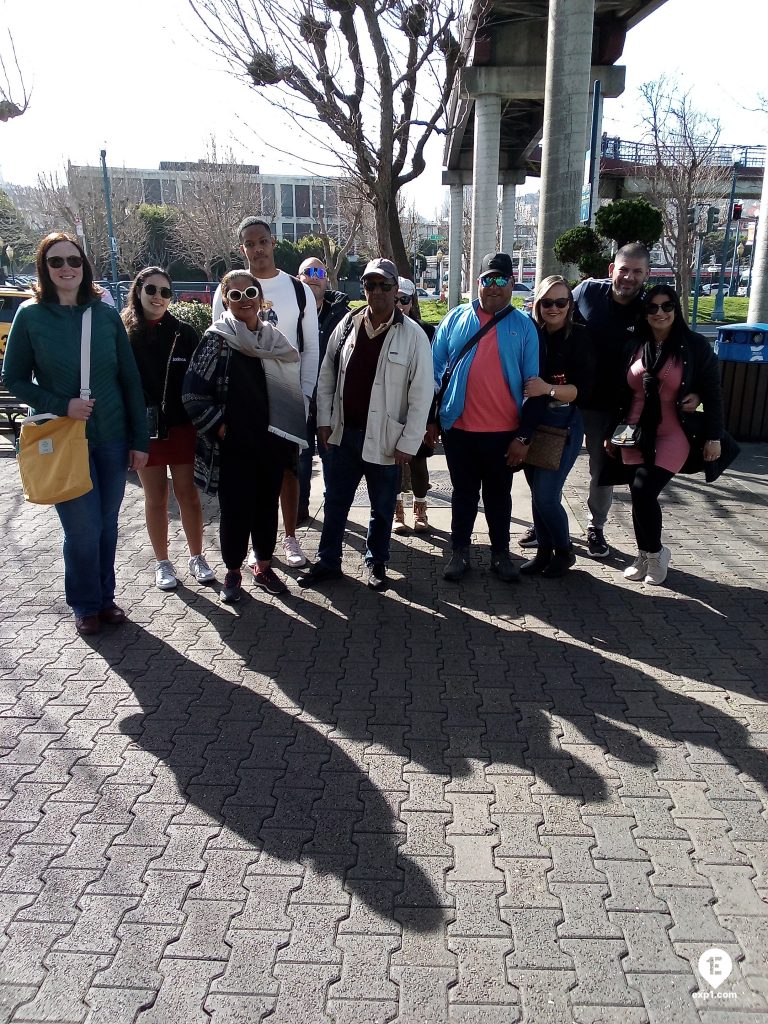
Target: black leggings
column 647, row 485
column 249, row 495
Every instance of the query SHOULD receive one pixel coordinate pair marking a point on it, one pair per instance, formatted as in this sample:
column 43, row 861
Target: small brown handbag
column 546, row 448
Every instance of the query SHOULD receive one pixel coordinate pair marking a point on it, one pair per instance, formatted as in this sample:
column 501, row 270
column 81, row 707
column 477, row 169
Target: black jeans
column 249, row 496
column 478, row 461
column 646, row 486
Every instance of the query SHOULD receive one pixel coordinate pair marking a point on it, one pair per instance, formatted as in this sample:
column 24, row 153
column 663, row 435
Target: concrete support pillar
column 508, row 193
column 485, row 182
column 566, row 114
column 758, row 294
column 455, row 245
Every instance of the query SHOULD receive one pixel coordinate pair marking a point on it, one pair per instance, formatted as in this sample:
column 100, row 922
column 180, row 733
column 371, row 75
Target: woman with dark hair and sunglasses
column 566, row 374
column 243, row 393
column 42, row 368
column 163, row 347
column 669, row 371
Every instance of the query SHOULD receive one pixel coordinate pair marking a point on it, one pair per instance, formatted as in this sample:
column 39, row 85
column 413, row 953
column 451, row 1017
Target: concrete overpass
column 524, row 82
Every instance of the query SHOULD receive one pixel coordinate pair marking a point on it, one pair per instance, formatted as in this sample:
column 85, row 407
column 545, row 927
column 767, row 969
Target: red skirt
column 178, row 449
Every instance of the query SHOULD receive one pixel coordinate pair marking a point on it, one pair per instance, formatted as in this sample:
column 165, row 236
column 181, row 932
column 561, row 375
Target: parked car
column 521, row 289
column 11, row 297
column 422, row 293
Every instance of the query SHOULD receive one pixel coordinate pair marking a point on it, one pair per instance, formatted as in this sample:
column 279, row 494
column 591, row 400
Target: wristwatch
column 523, row 440
column 551, row 392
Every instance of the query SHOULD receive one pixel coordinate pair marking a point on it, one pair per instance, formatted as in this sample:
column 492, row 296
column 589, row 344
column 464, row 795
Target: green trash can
column 743, row 355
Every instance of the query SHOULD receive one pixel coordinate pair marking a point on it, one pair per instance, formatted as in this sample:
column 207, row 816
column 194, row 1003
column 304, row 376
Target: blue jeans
column 90, row 532
column 305, row 463
column 345, row 468
column 549, row 517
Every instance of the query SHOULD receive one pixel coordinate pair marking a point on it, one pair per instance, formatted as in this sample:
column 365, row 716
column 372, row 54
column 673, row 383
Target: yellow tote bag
column 53, row 459
column 53, row 451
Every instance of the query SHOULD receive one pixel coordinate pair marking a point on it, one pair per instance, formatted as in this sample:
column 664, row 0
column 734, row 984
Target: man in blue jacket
column 480, row 410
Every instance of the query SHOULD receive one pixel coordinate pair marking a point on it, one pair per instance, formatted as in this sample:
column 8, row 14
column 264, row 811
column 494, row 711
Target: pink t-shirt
column 488, row 403
column 672, row 445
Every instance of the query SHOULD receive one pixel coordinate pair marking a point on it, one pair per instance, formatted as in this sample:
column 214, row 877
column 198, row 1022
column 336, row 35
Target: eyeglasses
column 320, row 272
column 57, row 262
column 404, row 299
column 382, row 286
column 549, row 303
column 499, row 281
column 235, row 295
column 659, row 307
column 152, row 289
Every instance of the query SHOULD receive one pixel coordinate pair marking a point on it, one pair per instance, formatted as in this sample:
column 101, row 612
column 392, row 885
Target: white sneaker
column 252, row 559
column 292, row 552
column 658, row 564
column 165, row 575
column 200, row 569
column 638, row 569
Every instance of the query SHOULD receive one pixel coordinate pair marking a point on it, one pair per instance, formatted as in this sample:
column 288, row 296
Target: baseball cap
column 501, row 262
column 406, row 286
column 384, row 267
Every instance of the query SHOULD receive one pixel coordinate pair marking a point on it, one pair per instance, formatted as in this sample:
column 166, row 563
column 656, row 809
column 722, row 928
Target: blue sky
column 135, row 79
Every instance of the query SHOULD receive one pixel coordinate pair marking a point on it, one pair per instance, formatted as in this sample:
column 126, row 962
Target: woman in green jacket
column 42, row 369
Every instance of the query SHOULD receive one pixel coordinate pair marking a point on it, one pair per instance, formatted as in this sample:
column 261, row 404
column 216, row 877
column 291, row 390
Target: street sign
column 585, row 194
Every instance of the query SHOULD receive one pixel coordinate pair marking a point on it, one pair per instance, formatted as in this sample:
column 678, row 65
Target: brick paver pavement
column 469, row 803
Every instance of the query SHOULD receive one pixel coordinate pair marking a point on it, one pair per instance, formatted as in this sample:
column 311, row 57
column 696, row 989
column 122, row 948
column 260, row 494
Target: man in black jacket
column 609, row 309
column 332, row 306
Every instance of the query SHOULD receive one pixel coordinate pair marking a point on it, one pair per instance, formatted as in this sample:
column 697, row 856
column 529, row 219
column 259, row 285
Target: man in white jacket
column 290, row 306
column 373, row 398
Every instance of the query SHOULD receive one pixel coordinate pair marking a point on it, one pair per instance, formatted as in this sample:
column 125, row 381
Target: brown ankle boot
column 400, row 525
column 420, row 521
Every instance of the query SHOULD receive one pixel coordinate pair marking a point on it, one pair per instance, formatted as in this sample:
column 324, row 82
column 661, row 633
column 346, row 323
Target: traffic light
column 713, row 218
column 692, row 218
column 736, row 211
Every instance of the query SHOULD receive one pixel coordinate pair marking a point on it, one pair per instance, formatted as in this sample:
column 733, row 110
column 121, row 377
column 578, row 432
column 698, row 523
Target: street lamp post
column 439, row 256
column 718, row 312
column 110, row 228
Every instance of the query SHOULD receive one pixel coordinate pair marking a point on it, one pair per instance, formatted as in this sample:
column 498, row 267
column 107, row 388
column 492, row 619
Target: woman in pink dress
column 669, row 372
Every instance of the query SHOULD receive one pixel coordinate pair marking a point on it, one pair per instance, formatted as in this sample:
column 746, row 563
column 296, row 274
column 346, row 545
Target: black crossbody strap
column 481, row 332
column 434, row 412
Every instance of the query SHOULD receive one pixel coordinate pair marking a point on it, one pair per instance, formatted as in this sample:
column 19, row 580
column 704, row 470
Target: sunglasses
column 382, row 286
column 57, row 262
column 549, row 303
column 404, row 299
column 659, row 307
column 152, row 289
column 235, row 295
column 499, row 281
column 320, row 272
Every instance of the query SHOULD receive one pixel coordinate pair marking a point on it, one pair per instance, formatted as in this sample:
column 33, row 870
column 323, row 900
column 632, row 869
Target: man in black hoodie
column 332, row 306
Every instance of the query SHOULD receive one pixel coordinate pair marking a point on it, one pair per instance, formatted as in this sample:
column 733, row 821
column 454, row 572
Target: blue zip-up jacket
column 518, row 351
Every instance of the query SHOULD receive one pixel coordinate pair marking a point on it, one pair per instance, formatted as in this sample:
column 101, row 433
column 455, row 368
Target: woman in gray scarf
column 243, row 393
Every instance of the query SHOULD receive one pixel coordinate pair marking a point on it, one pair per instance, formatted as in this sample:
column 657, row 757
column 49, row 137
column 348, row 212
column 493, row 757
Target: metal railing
column 614, row 148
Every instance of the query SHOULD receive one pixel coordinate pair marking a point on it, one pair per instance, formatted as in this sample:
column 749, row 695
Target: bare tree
column 348, row 69
column 216, row 197
column 335, row 250
column 14, row 98
column 76, row 204
column 686, row 171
